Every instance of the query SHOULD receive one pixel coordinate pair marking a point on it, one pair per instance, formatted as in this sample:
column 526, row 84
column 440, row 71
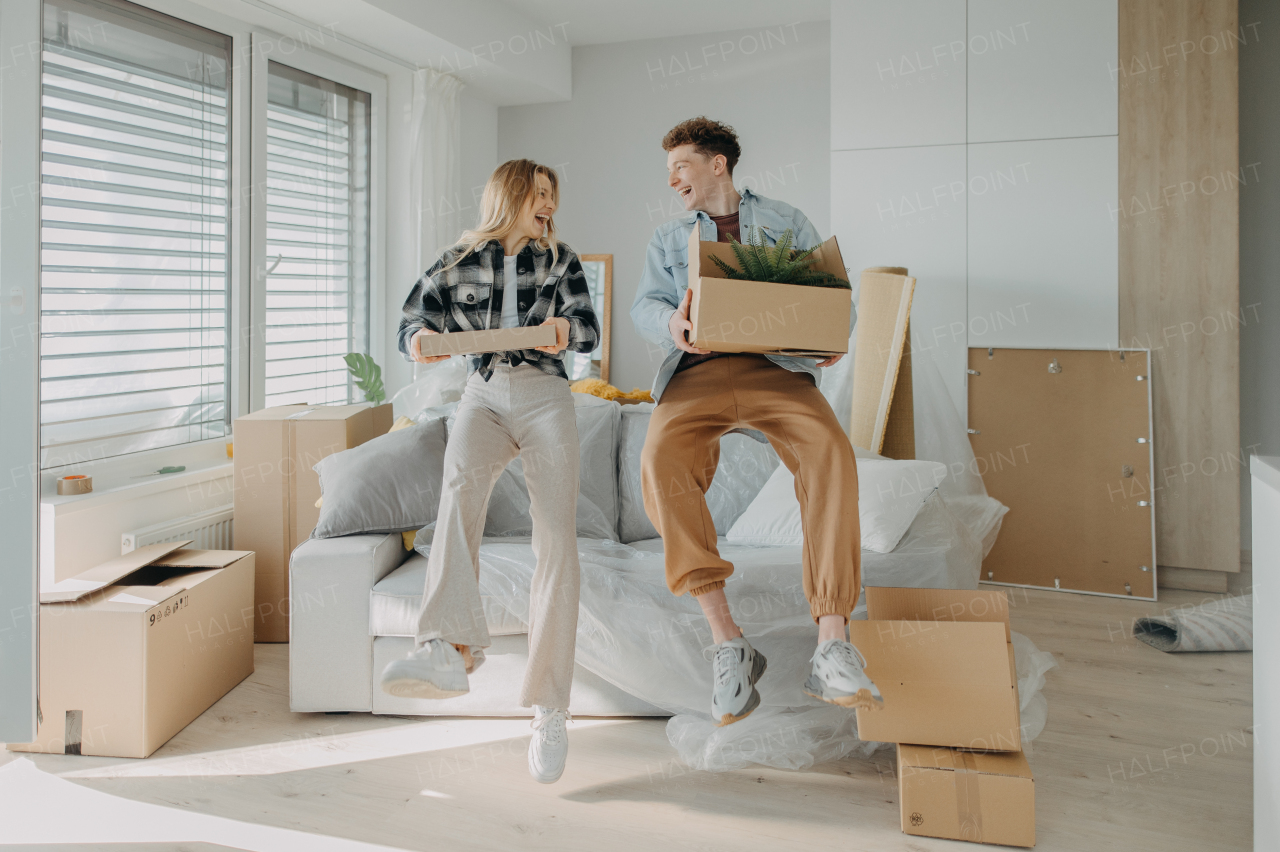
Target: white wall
column 771, row 85
column 975, row 143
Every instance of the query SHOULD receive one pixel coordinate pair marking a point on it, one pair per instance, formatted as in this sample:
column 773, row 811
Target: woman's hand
column 562, row 336
column 416, row 353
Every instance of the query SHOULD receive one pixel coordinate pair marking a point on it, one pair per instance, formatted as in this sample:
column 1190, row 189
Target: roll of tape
column 76, row 484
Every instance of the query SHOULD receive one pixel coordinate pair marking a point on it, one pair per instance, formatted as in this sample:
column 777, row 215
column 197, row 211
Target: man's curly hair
column 707, row 137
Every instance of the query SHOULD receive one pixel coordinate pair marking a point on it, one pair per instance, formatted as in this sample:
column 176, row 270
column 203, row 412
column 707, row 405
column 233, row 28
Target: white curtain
column 435, row 170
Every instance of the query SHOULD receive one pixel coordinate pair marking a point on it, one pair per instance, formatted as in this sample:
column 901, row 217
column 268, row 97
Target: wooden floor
column 1143, row 751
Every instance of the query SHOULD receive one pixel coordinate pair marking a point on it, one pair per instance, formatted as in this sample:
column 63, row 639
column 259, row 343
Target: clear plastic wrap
column 635, row 634
column 436, row 384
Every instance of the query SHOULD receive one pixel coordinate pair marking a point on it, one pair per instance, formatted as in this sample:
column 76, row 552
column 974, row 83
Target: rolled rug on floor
column 1225, row 624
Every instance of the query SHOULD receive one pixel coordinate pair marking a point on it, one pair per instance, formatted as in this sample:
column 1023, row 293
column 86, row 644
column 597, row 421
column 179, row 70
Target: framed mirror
column 599, row 272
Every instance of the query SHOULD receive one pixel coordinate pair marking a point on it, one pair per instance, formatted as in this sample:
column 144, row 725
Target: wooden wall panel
column 1178, row 216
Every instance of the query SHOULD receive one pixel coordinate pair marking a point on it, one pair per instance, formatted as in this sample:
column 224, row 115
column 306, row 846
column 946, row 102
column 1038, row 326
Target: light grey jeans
column 520, row 411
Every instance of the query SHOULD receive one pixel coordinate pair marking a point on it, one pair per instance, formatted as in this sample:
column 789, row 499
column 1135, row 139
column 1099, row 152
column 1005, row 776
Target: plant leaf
column 367, row 376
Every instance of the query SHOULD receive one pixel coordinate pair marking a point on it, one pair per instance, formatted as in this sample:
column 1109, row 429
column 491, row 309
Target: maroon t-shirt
column 726, row 226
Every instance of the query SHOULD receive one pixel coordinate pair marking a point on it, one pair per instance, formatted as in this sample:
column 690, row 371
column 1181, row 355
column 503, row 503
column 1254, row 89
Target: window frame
column 252, row 45
column 314, row 62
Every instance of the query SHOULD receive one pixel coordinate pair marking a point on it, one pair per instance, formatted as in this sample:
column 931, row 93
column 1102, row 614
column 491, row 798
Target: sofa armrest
column 330, row 649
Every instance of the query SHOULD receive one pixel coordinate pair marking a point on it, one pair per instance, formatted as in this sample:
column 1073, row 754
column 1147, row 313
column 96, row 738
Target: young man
column 703, row 395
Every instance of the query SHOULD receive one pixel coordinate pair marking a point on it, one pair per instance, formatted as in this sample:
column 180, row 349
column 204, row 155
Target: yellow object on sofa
column 604, row 390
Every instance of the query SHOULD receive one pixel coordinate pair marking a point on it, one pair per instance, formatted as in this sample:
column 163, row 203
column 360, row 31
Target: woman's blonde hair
column 508, row 191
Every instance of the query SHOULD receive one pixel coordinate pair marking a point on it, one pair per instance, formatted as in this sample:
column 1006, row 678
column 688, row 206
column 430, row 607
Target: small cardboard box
column 962, row 795
column 732, row 315
column 276, row 489
column 131, row 652
column 493, row 340
column 943, row 660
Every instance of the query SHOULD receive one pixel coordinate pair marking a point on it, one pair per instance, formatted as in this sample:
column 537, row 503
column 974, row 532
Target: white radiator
column 208, row 530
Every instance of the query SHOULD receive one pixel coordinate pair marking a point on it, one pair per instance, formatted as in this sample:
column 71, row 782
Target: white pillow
column 890, row 493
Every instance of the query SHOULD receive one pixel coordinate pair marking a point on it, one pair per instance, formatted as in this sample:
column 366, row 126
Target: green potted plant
column 778, row 264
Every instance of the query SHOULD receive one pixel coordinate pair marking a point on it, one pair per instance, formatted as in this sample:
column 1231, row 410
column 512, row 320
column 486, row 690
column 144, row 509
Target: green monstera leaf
column 367, row 376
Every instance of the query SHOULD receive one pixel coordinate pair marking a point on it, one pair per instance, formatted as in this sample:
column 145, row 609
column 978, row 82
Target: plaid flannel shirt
column 468, row 297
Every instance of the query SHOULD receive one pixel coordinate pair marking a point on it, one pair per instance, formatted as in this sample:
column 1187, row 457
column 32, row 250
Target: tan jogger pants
column 682, row 450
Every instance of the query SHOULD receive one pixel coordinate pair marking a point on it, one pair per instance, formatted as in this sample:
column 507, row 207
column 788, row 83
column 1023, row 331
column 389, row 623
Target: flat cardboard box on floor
column 943, row 661
column 492, row 340
column 276, row 489
column 131, row 652
column 961, row 795
column 733, row 315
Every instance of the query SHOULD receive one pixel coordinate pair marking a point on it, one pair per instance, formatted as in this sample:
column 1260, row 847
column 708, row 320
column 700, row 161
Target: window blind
column 317, row 288
column 134, row 222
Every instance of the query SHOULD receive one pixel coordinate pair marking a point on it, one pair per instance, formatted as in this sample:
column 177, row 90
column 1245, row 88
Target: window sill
column 123, row 476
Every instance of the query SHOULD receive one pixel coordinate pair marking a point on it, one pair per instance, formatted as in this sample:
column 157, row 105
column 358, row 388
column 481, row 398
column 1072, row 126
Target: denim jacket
column 666, row 274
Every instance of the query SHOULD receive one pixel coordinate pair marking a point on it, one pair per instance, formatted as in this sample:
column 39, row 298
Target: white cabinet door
column 1042, row 69
column 906, row 207
column 1043, row 244
column 897, row 73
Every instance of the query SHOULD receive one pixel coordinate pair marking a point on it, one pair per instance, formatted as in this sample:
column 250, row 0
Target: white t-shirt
column 510, row 316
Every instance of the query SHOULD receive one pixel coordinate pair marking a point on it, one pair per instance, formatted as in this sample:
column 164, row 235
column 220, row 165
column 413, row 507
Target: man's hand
column 680, row 326
column 562, row 336
column 830, row 362
column 416, row 353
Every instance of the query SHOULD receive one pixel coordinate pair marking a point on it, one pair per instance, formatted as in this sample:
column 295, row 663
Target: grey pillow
column 597, row 510
column 745, row 466
column 389, row 484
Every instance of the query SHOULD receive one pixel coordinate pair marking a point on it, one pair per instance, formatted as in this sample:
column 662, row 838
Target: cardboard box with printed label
column 733, row 315
column 961, row 795
column 943, row 661
column 276, row 489
column 132, row 651
column 492, row 340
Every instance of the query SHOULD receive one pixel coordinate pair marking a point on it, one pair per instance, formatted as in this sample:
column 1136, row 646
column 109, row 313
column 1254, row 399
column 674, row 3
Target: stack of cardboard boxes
column 943, row 660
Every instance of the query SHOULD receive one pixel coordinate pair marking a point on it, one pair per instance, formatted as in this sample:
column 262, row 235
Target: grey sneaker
column 550, row 744
column 838, row 677
column 433, row 670
column 736, row 668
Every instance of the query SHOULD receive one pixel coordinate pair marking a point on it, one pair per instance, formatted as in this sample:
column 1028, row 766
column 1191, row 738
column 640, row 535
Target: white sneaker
column 735, row 669
column 550, row 744
column 433, row 670
column 839, row 678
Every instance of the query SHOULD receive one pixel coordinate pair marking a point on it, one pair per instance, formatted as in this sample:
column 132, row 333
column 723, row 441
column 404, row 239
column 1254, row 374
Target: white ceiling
column 605, row 21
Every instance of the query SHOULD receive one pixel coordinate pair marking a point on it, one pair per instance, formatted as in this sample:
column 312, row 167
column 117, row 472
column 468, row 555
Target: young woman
column 508, row 272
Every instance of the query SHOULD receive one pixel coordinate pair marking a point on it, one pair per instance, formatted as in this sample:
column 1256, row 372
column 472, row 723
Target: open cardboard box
column 943, row 660
column 961, row 795
column 132, row 651
column 276, row 489
column 732, row 315
column 492, row 340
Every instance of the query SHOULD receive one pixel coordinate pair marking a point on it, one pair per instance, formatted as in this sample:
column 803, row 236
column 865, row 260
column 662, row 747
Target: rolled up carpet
column 1225, row 624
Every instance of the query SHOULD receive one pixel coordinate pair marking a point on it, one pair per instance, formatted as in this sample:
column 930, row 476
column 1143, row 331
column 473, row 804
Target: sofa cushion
column 745, row 466
column 597, row 513
column 388, row 484
column 396, row 599
column 891, row 493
